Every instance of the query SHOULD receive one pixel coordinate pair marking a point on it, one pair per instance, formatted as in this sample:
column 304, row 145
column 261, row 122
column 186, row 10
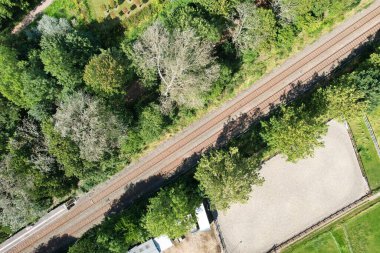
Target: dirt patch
column 202, row 242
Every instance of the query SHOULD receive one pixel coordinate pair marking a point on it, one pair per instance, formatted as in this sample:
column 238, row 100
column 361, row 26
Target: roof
column 203, row 222
column 146, row 247
column 163, row 242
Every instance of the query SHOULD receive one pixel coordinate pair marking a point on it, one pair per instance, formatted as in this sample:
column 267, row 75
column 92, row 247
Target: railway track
column 91, row 208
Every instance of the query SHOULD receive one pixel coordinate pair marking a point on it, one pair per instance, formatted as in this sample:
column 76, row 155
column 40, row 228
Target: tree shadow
column 57, row 244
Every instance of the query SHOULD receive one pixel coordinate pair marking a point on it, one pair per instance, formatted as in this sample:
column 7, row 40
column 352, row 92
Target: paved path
column 319, row 58
column 32, row 15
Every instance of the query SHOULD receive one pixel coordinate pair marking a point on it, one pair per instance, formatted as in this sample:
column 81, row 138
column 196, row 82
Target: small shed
column 202, row 219
column 146, row 247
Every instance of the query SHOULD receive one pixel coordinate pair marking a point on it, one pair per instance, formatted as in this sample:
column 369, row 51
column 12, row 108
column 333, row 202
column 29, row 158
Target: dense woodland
column 80, row 100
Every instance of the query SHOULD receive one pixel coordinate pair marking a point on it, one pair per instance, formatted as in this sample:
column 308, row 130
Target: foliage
column 107, row 72
column 151, row 123
column 64, row 57
column 256, row 27
column 342, row 102
column 89, row 124
column 185, row 17
column 65, row 151
column 50, row 26
column 172, row 211
column 9, row 119
column 181, row 60
column 10, row 76
column 295, row 132
column 226, row 178
column 218, row 7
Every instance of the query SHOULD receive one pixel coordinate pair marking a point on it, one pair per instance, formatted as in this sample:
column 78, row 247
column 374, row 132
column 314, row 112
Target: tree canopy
column 172, row 211
column 226, row 178
column 294, row 133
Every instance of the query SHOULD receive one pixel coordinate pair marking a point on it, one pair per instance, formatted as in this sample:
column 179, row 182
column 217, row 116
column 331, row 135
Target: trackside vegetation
column 225, row 176
column 82, row 95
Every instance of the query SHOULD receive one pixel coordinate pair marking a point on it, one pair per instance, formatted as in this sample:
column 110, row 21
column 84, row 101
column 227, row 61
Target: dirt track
column 317, row 58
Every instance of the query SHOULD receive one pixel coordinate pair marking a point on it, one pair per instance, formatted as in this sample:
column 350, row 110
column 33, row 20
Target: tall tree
column 226, row 178
column 107, row 73
column 342, row 102
column 295, row 132
column 11, row 70
column 172, row 211
column 89, row 124
column 183, row 62
column 64, row 56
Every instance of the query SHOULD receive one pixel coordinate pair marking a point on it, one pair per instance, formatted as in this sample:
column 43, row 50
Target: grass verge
column 358, row 231
column 367, row 151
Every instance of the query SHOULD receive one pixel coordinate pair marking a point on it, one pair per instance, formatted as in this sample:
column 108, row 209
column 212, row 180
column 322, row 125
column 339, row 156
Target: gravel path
column 32, row 16
column 295, row 196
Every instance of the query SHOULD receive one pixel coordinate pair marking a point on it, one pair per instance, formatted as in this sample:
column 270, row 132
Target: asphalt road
column 318, row 58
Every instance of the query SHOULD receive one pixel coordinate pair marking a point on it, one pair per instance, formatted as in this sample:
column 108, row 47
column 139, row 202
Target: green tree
column 342, row 102
column 226, row 178
column 107, row 72
column 9, row 119
column 66, row 152
column 218, row 7
column 11, row 70
column 64, row 56
column 151, row 123
column 295, row 132
column 185, row 17
column 172, row 211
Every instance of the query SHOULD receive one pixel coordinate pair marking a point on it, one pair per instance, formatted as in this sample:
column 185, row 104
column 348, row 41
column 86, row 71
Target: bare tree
column 183, row 62
column 253, row 26
column 88, row 123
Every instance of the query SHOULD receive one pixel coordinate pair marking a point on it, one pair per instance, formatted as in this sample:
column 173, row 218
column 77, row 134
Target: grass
column 367, row 151
column 358, row 231
column 374, row 117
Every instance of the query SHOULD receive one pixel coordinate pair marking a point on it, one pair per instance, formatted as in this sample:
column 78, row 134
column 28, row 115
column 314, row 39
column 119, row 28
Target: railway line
column 318, row 58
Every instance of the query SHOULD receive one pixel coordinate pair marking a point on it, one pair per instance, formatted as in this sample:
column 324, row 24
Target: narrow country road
column 318, row 58
column 29, row 18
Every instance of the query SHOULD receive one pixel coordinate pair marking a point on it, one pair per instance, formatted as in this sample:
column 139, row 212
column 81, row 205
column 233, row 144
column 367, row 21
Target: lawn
column 366, row 148
column 359, row 233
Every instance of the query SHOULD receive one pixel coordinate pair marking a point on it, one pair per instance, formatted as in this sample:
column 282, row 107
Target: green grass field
column 355, row 234
column 366, row 148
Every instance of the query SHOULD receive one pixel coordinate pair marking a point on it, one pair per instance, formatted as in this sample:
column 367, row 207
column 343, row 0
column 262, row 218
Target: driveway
column 295, row 196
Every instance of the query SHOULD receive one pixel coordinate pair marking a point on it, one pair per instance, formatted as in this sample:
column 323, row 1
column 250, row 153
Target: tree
column 255, row 27
column 172, row 211
column 65, row 151
column 151, row 123
column 50, row 26
column 295, row 132
column 218, row 7
column 107, row 72
column 9, row 119
column 11, row 70
column 64, row 57
column 342, row 102
column 6, row 8
column 183, row 62
column 290, row 10
column 185, row 17
column 89, row 124
column 226, row 178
